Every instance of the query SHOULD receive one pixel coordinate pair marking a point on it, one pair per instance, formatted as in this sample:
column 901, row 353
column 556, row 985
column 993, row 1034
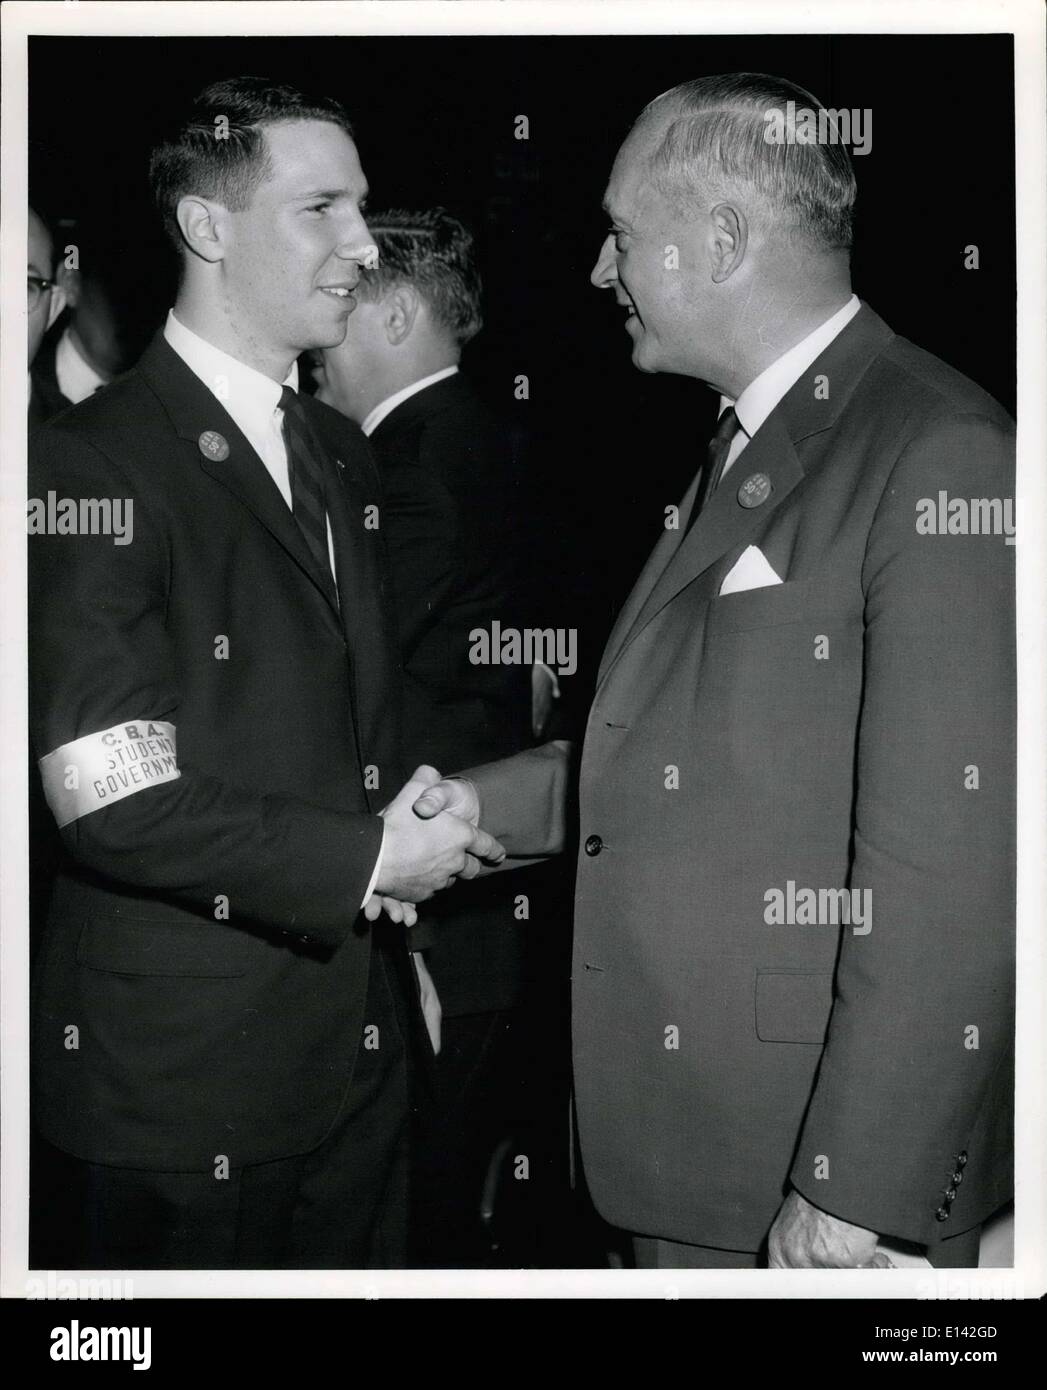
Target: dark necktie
column 727, row 426
column 305, row 471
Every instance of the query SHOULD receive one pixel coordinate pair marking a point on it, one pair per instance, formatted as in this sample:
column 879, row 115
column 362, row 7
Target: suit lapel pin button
column 755, row 491
column 213, row 446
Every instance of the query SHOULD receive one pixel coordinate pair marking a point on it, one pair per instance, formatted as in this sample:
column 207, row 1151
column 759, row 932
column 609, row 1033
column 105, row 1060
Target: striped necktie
column 727, row 427
column 305, row 471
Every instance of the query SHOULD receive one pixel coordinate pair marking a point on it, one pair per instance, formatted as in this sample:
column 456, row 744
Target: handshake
column 432, row 838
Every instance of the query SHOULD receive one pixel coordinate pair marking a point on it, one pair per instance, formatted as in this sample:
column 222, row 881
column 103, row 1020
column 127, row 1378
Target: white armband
column 98, row 769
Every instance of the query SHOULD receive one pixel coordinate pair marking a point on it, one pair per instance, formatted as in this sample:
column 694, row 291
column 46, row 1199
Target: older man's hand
column 426, row 850
column 456, row 795
column 804, row 1237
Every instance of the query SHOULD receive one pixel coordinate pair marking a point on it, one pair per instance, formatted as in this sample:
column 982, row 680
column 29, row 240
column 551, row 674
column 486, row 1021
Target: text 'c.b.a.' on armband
column 99, row 769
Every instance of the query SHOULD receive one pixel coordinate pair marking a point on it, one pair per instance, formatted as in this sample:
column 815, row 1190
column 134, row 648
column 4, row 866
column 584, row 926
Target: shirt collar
column 76, row 378
column 390, row 403
column 763, row 393
column 248, row 395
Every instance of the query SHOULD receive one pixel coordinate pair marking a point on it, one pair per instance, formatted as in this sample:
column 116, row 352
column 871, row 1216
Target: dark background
column 435, row 124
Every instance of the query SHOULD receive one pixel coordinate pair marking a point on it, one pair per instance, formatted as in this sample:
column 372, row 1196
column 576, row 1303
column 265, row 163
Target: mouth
column 630, row 309
column 343, row 292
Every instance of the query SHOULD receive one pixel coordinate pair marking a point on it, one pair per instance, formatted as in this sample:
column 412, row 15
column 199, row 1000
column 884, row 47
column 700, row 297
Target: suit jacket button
column 942, row 1214
column 961, row 1159
column 593, row 846
column 950, row 1195
column 957, row 1177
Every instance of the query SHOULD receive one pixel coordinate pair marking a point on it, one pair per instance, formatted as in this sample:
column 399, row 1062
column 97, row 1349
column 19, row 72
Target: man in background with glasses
column 45, row 301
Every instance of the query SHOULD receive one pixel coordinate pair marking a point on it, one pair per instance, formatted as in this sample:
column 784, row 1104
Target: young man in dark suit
column 453, row 493
column 221, row 1036
column 794, row 930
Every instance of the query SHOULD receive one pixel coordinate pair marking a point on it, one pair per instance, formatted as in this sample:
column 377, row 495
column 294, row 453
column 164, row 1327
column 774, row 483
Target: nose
column 357, row 244
column 605, row 272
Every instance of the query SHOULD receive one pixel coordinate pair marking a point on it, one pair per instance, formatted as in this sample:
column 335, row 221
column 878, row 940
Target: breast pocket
column 781, row 665
column 771, row 606
column 130, row 946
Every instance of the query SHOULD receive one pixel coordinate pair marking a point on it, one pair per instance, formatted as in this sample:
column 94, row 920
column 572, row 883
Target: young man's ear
column 201, row 223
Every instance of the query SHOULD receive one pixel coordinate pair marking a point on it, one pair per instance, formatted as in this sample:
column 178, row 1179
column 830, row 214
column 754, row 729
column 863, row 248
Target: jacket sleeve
column 101, row 660
column 523, row 800
column 921, row 1032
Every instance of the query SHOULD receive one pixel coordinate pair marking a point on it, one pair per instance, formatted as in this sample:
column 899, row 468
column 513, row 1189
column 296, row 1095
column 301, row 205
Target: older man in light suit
column 793, row 960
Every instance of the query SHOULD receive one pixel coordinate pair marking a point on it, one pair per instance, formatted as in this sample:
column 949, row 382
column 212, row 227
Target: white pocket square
column 750, row 571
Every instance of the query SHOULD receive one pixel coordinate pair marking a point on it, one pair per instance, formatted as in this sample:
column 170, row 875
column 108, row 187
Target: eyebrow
column 331, row 195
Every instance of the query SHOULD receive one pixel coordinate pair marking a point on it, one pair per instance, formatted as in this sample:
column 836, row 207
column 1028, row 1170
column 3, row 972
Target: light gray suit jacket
column 849, row 728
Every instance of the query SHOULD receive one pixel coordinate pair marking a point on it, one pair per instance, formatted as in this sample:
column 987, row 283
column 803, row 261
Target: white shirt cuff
column 377, row 867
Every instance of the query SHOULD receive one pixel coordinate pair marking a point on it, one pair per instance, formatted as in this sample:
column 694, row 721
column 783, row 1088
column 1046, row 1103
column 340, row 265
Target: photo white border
column 1026, row 20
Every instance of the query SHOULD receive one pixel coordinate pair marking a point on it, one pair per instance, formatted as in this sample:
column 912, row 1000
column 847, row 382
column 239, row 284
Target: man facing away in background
column 453, row 494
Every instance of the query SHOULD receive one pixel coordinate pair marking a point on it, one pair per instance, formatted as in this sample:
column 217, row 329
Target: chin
column 645, row 359
column 332, row 332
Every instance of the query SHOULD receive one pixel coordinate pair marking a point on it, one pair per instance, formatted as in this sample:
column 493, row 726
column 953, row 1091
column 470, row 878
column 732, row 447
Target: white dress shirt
column 762, row 394
column 253, row 400
column 77, row 379
column 386, row 407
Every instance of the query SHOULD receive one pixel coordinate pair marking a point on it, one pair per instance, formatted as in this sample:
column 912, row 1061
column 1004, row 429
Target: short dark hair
column 719, row 135
column 435, row 253
column 217, row 148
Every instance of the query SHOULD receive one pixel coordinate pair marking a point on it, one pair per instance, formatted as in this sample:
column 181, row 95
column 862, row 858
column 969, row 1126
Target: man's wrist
column 377, row 865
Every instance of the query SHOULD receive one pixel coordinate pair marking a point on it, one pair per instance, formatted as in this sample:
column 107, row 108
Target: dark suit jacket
column 45, row 850
column 199, row 1034
column 449, row 521
column 824, row 731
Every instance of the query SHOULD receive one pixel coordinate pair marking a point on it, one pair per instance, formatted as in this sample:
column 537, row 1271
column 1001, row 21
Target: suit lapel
column 663, row 552
column 194, row 410
column 350, row 483
column 725, row 522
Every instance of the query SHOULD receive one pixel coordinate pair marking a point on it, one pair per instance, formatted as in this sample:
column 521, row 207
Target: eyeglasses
column 36, row 288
